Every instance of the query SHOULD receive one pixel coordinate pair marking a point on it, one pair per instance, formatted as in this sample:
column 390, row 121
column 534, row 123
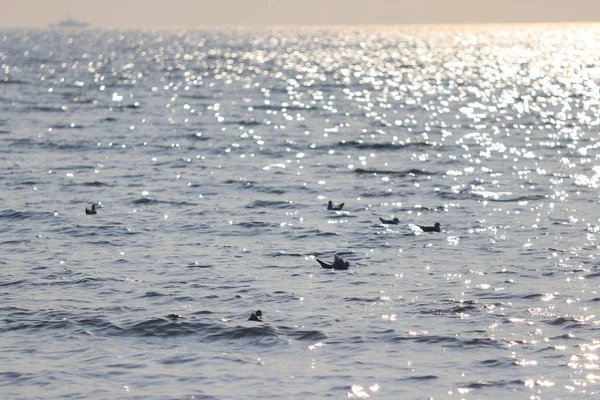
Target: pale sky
column 199, row 13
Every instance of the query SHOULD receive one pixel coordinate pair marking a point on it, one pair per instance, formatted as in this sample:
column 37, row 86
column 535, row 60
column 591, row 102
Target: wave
column 573, row 323
column 488, row 196
column 247, row 184
column 113, row 230
column 95, row 184
column 197, row 137
column 421, row 378
column 257, row 224
column 518, row 199
column 487, row 384
column 359, row 144
column 67, row 126
column 47, row 109
column 150, row 200
column 7, row 81
column 202, row 324
column 251, row 122
column 26, row 215
column 450, row 341
column 271, row 204
column 408, row 172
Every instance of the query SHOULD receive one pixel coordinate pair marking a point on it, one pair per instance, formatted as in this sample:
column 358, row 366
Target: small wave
column 533, row 296
column 463, row 309
column 408, row 172
column 133, row 106
column 152, row 294
column 64, row 126
column 7, row 81
column 95, row 184
column 78, row 100
column 26, row 182
column 322, row 233
column 27, row 143
column 263, row 336
column 564, row 320
column 196, row 96
column 26, row 215
column 197, row 137
column 144, row 200
column 283, row 254
column 66, row 146
column 14, row 242
column 381, row 146
column 104, row 230
column 244, row 184
column 197, row 265
column 6, row 284
column 564, row 336
column 362, row 299
column 270, row 204
column 162, row 327
column 251, row 122
column 374, row 194
column 421, row 378
column 517, row 199
column 256, row 224
column 488, row 384
column 47, row 109
column 271, row 190
column 450, row 341
column 10, row 375
column 493, row 363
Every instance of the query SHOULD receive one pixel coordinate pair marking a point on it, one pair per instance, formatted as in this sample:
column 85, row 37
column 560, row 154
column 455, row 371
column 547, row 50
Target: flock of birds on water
column 338, row 263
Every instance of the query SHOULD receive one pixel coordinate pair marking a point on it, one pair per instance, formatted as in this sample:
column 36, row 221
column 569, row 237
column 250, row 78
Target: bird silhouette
column 394, row 221
column 338, row 264
column 256, row 316
column 434, row 228
column 92, row 211
column 336, row 207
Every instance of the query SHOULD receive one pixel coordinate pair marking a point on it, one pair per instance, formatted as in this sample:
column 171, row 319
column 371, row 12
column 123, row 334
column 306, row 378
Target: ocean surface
column 211, row 156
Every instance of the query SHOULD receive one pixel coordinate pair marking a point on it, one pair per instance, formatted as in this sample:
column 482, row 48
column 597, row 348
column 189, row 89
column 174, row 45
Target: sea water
column 211, row 156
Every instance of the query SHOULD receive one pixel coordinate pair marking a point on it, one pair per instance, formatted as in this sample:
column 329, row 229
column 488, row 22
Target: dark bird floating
column 434, row 228
column 92, row 211
column 394, row 221
column 336, row 207
column 338, row 264
column 256, row 316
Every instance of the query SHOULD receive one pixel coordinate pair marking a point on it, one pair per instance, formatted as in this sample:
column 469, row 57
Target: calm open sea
column 211, row 156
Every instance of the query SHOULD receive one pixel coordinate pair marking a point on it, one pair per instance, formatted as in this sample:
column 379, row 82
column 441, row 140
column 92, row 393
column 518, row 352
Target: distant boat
column 70, row 23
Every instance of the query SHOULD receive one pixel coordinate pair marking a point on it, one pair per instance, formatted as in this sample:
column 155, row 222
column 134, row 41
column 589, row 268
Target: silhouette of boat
column 70, row 23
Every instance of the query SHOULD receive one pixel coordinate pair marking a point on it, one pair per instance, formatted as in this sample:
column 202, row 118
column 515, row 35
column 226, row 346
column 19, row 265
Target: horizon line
column 295, row 25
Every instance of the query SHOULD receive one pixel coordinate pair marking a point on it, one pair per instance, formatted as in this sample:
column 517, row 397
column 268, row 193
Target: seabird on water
column 335, row 207
column 434, row 228
column 338, row 264
column 256, row 316
column 394, row 221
